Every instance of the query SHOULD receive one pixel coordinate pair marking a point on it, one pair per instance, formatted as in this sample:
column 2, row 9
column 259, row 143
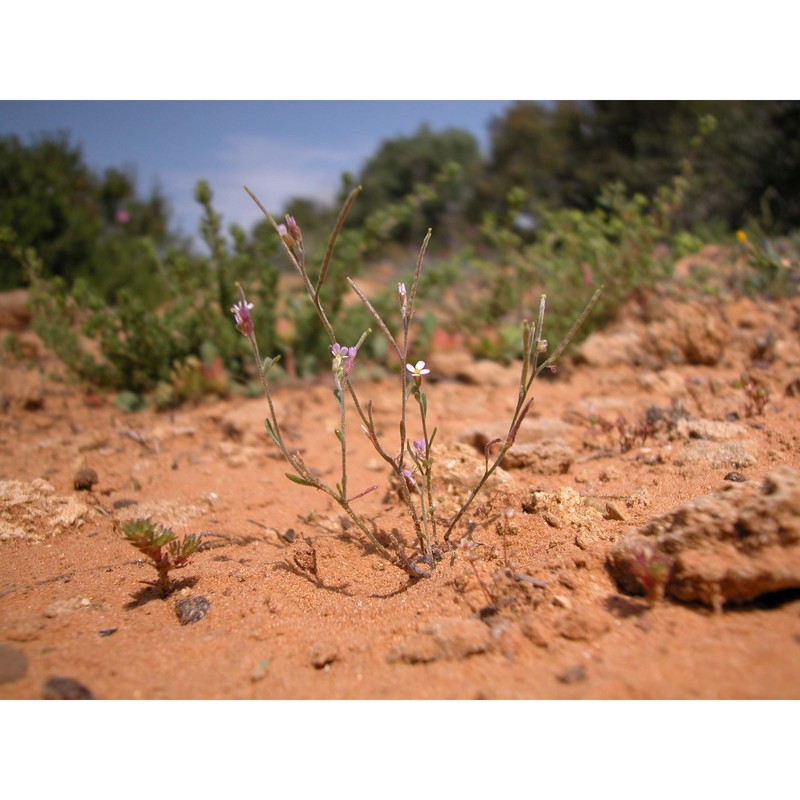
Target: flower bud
column 241, row 315
column 294, row 229
column 288, row 240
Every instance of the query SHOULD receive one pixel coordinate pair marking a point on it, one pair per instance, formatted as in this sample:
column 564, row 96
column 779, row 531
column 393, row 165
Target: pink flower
column 241, row 314
column 343, row 358
column 409, row 476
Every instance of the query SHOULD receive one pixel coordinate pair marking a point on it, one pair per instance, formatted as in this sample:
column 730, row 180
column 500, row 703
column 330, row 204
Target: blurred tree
column 563, row 154
column 448, row 160
column 81, row 225
column 538, row 147
column 48, row 198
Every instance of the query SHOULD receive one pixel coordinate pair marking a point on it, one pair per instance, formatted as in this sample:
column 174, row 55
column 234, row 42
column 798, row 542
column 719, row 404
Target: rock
column 191, row 609
column 539, row 445
column 58, row 688
column 692, row 333
column 533, row 429
column 462, row 367
column 124, row 502
column 85, row 479
column 551, row 457
column 562, row 508
column 735, row 477
column 581, row 625
column 458, row 468
column 15, row 313
column 613, row 512
column 605, row 350
column 445, row 640
column 720, row 455
column 574, row 674
column 13, row 664
column 710, row 430
column 33, row 511
column 61, row 607
column 323, row 655
column 730, row 546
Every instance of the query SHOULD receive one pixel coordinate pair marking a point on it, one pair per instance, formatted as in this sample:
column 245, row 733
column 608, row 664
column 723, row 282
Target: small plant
column 773, row 272
column 141, row 339
column 412, row 457
column 757, row 396
column 652, row 569
column 624, row 435
column 162, row 547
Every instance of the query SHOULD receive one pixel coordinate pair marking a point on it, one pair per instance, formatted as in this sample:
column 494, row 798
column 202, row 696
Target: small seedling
column 757, row 396
column 624, row 435
column 162, row 547
column 652, row 569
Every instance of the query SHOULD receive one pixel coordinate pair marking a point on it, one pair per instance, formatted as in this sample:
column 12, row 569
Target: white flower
column 418, row 369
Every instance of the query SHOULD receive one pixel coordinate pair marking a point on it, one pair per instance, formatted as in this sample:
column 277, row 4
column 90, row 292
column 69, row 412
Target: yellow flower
column 741, row 237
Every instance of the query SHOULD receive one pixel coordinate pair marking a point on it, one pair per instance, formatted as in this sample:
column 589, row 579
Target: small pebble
column 289, row 535
column 614, row 513
column 322, row 656
column 574, row 674
column 260, row 672
column 58, row 688
column 13, row 664
column 736, row 477
column 108, row 631
column 85, row 479
column 191, row 609
column 124, row 502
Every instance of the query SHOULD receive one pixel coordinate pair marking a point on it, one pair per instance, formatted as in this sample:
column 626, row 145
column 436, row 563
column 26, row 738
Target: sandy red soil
column 76, row 600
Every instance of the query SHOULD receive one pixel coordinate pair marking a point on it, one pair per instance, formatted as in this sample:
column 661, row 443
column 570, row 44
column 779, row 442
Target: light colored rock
column 605, row 350
column 548, row 457
column 34, row 511
column 449, row 639
column 459, row 469
column 461, row 366
column 563, row 508
column 720, row 455
column 710, row 429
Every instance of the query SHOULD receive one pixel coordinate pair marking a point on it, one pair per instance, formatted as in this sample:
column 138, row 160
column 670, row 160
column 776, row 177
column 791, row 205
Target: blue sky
column 278, row 148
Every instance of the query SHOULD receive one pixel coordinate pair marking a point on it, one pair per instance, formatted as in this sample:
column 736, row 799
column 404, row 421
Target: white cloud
column 274, row 169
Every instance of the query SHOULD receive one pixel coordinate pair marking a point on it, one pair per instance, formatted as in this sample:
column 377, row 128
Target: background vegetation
column 569, row 196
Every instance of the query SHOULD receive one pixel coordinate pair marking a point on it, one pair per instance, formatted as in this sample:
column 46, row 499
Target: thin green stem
column 343, row 439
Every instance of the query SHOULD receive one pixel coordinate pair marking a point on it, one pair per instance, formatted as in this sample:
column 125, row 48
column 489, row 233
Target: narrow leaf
column 271, row 432
column 298, row 479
